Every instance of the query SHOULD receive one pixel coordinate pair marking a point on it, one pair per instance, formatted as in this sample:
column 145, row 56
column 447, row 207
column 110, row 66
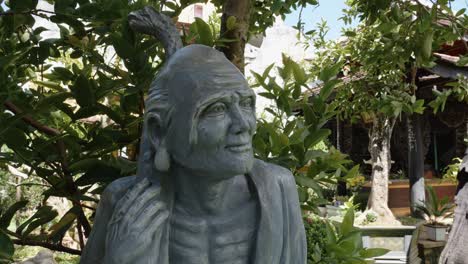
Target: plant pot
column 322, row 211
column 436, row 232
column 333, row 210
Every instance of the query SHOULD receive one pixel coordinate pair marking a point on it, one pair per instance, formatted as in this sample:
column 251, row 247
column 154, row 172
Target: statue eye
column 248, row 103
column 216, row 109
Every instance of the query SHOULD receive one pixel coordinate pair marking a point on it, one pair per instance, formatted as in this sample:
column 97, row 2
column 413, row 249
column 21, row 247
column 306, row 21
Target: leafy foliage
column 341, row 244
column 6, row 248
column 381, row 59
column 435, row 210
column 452, row 170
column 295, row 126
column 456, row 90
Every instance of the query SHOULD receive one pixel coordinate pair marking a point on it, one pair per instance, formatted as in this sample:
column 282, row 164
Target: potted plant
column 434, row 211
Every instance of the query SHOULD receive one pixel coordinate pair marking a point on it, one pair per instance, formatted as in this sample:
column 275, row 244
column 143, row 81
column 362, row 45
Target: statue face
column 221, row 124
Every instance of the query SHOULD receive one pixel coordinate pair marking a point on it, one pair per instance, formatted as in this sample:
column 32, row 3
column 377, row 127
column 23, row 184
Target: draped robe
column 280, row 235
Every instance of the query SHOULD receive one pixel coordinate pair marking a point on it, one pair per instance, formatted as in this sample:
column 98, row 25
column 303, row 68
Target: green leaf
column 353, row 172
column 316, row 137
column 171, row 5
column 355, row 238
column 6, row 248
column 331, row 236
column 83, row 92
column 63, row 73
column 99, row 174
column 231, row 22
column 58, row 230
column 22, row 5
column 426, row 50
column 345, row 248
column 373, row 252
column 122, row 47
column 267, row 95
column 42, row 220
column 43, row 215
column 76, row 54
column 49, row 84
column 299, row 73
column 5, row 218
column 461, row 12
column 53, row 99
column 348, row 222
column 84, row 165
column 329, row 72
column 418, row 106
column 308, row 182
column 266, row 72
column 463, row 61
column 327, row 89
column 205, row 36
column 14, row 137
column 110, row 113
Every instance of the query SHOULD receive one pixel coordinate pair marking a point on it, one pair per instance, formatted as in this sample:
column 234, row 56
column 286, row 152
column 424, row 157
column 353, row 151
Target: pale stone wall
column 279, row 39
column 188, row 14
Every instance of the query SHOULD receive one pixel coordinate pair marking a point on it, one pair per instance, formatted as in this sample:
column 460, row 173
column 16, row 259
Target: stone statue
column 199, row 196
column 455, row 251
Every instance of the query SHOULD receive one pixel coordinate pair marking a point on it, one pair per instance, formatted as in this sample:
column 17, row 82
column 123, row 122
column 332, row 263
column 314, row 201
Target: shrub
column 316, row 233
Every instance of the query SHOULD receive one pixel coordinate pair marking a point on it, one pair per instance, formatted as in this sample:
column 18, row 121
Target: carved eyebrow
column 200, row 106
column 246, row 93
column 217, row 97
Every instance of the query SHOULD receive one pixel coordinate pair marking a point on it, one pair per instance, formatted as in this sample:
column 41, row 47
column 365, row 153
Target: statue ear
column 156, row 132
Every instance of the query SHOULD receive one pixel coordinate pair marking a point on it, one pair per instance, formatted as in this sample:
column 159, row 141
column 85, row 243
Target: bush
column 316, row 233
column 337, row 243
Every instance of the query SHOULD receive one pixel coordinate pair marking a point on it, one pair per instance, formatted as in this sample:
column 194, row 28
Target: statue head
column 201, row 110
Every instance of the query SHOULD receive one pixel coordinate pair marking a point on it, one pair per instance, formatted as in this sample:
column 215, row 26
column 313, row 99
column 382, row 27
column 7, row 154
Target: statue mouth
column 239, row 148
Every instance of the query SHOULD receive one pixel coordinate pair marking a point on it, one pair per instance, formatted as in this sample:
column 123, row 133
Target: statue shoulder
column 274, row 172
column 116, row 189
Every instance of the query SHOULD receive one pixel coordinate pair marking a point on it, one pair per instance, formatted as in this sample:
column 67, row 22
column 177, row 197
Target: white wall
column 188, row 14
column 278, row 39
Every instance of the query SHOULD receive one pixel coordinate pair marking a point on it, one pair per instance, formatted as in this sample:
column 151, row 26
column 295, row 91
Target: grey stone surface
column 456, row 249
column 44, row 256
column 199, row 195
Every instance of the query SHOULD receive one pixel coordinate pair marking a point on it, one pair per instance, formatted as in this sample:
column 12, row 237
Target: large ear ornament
column 162, row 160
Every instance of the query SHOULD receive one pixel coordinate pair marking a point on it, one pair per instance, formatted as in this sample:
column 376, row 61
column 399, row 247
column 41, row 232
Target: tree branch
column 60, row 248
column 64, row 164
column 29, row 120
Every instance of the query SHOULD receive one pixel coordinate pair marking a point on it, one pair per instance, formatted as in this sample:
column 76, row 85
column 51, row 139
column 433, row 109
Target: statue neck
column 201, row 195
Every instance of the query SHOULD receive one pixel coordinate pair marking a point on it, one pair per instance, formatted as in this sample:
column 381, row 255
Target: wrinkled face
column 218, row 143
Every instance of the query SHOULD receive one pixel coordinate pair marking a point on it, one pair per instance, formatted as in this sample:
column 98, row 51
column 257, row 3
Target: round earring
column 162, row 161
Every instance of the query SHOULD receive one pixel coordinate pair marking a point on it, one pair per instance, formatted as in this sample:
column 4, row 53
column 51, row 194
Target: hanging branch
column 73, row 189
column 24, row 242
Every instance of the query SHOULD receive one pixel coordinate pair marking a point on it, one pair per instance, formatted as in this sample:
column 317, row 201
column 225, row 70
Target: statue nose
column 240, row 122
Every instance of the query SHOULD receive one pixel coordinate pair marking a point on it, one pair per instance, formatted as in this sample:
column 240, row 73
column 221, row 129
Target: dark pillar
column 341, row 187
column 415, row 161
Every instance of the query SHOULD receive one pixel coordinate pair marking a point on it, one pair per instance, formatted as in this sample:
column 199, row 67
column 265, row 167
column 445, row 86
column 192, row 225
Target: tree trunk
column 18, row 197
column 415, row 162
column 234, row 51
column 380, row 135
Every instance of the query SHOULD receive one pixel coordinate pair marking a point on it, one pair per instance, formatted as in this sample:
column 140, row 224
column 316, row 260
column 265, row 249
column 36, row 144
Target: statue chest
column 226, row 239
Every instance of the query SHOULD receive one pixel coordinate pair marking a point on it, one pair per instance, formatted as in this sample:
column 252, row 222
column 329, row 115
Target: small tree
column 382, row 55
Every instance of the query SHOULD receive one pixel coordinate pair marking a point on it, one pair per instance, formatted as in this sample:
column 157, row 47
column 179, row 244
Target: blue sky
column 331, row 11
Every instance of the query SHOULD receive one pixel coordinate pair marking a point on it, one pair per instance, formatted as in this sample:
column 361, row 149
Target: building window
column 198, row 11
